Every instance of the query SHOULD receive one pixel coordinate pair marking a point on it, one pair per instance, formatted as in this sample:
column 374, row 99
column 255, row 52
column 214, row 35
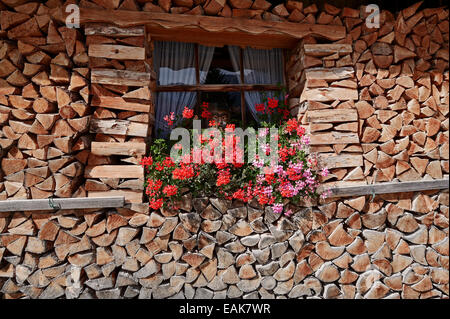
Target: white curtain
column 174, row 63
column 260, row 67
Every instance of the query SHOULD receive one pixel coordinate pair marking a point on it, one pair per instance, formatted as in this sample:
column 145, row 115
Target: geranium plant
column 292, row 177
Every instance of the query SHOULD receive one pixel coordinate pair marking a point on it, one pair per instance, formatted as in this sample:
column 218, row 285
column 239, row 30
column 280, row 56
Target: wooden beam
column 189, row 25
column 387, row 188
column 60, row 203
column 120, row 103
column 331, row 116
column 329, row 94
column 113, row 31
column 120, row 77
column 332, row 160
column 324, row 49
column 115, row 51
column 118, row 148
column 330, row 74
column 114, row 171
column 120, row 127
column 334, row 138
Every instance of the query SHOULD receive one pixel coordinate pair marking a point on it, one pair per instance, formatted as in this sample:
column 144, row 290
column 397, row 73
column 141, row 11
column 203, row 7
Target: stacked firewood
column 396, row 78
column 44, row 109
column 403, row 80
column 122, row 101
column 322, row 92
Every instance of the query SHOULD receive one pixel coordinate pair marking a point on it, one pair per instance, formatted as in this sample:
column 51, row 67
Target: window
column 233, row 80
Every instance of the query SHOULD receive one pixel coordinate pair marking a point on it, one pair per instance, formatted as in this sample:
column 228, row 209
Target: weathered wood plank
column 329, row 94
column 114, row 171
column 120, row 103
column 331, row 160
column 387, row 188
column 62, row 203
column 332, row 116
column 120, row 127
column 192, row 23
column 118, row 52
column 331, row 74
column 327, row 49
column 130, row 196
column 333, row 138
column 120, row 77
column 117, row 148
column 113, row 31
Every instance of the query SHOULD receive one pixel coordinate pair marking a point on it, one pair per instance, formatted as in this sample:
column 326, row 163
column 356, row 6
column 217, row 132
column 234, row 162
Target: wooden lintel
column 386, row 188
column 60, row 203
column 190, row 26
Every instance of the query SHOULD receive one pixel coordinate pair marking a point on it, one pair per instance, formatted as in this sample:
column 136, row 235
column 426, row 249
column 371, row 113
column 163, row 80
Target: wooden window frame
column 242, row 87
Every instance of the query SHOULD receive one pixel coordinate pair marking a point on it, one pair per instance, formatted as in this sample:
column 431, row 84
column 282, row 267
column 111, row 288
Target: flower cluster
column 294, row 177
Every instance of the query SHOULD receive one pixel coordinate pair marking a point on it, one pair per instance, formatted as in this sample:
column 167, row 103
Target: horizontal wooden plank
column 329, row 94
column 120, row 127
column 130, row 196
column 120, row 77
column 120, row 103
column 113, row 31
column 329, row 138
column 331, row 74
column 114, row 171
column 387, row 188
column 117, row 52
column 332, row 116
column 60, row 203
column 190, row 25
column 117, row 148
column 331, row 160
column 323, row 49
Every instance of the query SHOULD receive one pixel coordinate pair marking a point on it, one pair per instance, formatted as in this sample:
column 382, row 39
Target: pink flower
column 324, row 172
column 277, row 208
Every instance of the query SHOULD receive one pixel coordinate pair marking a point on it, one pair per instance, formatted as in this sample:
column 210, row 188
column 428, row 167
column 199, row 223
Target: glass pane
column 174, row 63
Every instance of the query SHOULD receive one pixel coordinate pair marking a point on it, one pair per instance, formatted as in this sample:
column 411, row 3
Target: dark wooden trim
column 386, row 188
column 241, row 74
column 61, row 203
column 197, row 78
column 218, row 87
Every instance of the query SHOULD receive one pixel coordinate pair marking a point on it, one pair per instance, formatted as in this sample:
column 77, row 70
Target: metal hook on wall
column 53, row 205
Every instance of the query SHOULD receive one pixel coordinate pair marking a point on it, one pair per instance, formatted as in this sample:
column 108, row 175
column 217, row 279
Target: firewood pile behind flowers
column 294, row 177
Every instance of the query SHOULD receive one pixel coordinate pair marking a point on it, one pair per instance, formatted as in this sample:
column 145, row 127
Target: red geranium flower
column 170, row 190
column 188, row 113
column 272, row 103
column 156, row 203
column 260, row 107
column 223, row 177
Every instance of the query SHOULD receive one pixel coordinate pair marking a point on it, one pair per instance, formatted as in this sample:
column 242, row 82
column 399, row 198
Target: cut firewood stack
column 123, row 110
column 44, row 113
column 400, row 76
column 403, row 80
column 325, row 81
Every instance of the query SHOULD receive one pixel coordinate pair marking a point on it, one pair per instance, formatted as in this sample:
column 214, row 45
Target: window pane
column 263, row 66
column 174, row 63
column 221, row 70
